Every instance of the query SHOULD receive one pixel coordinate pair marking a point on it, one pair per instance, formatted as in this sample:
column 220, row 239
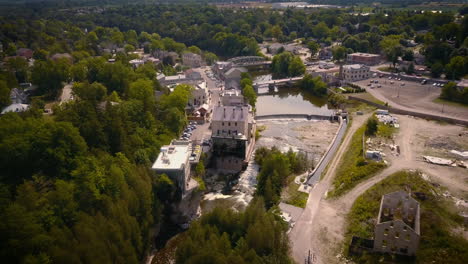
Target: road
column 203, row 131
column 66, row 93
column 301, row 236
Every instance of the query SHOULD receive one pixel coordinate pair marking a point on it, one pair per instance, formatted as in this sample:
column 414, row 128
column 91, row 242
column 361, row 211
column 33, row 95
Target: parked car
column 423, row 82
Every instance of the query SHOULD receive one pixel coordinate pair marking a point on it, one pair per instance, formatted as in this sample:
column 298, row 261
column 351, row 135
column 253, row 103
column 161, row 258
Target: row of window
column 229, row 123
column 234, row 132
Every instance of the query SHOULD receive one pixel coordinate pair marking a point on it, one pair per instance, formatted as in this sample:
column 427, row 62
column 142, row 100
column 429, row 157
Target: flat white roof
column 172, row 157
column 355, row 66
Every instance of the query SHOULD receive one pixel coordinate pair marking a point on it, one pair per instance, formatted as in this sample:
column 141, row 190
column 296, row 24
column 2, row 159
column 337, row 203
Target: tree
column 313, row 47
column 321, row 30
column 94, row 92
column 371, row 126
column 194, row 49
column 287, row 65
column 250, row 94
column 437, row 69
column 392, row 48
column 313, row 85
column 19, row 66
column 49, row 75
column 296, row 67
column 200, row 170
column 4, row 94
column 210, row 57
column 457, row 67
column 339, row 53
column 408, row 55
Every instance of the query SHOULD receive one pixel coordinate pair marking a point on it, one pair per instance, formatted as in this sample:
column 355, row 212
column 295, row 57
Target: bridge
column 280, row 82
column 246, row 61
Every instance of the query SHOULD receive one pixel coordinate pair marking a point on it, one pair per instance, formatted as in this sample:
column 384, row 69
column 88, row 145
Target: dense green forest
column 75, row 186
column 224, row 236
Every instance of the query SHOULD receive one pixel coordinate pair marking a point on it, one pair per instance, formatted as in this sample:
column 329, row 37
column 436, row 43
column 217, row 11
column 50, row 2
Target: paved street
column 203, row 131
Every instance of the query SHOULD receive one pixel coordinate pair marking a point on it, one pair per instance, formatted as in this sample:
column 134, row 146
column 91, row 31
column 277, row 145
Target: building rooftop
column 15, row 108
column 175, row 77
column 354, row 66
column 233, row 70
column 230, row 113
column 364, row 54
column 173, row 157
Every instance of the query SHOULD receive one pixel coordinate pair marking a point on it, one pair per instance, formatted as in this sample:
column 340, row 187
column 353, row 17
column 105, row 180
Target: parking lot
column 410, row 95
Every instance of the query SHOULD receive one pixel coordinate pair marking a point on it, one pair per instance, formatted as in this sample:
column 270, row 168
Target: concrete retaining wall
column 412, row 113
column 302, row 116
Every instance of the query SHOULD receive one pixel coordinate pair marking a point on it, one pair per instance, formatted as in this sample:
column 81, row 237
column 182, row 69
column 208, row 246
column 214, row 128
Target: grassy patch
column 292, row 196
column 385, row 131
column 446, row 102
column 353, row 168
column 258, row 131
column 386, row 69
column 438, row 216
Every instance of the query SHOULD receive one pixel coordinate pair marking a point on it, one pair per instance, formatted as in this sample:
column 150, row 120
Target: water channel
column 282, row 101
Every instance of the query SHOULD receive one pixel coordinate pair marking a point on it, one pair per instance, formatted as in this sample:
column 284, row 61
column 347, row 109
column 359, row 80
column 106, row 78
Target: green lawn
column 446, row 102
column 438, row 216
column 353, row 168
column 292, row 196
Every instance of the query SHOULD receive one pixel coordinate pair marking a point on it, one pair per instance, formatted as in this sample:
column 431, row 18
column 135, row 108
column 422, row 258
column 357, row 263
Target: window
column 218, row 131
column 229, row 124
column 391, row 225
column 397, row 234
column 405, row 228
column 384, row 243
column 386, row 231
column 407, row 237
column 222, row 123
column 235, row 123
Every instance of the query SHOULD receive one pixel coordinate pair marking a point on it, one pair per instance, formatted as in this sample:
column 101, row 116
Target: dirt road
column 302, row 236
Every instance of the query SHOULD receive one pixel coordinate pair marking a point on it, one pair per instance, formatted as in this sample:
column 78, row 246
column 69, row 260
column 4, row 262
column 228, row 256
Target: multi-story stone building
column 233, row 135
column 355, row 72
column 397, row 230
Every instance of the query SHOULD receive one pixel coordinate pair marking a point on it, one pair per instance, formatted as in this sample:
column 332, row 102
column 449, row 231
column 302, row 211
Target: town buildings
column 227, row 72
column 397, row 230
column 192, row 60
column 232, row 78
column 363, row 58
column 355, row 72
column 189, row 77
column 325, row 53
